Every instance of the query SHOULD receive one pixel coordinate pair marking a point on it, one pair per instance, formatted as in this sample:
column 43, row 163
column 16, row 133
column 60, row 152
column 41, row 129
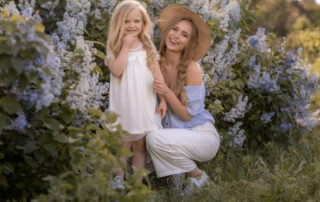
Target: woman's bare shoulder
column 194, row 74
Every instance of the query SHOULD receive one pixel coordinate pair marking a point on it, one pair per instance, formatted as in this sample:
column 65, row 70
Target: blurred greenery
column 299, row 22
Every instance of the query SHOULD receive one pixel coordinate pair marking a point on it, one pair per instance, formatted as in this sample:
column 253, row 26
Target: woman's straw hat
column 176, row 11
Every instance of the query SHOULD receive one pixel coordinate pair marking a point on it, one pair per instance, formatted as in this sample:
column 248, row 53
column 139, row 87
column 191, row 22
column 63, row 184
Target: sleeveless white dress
column 132, row 97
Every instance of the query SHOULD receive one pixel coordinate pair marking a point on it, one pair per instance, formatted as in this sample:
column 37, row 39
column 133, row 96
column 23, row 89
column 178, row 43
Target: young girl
column 133, row 62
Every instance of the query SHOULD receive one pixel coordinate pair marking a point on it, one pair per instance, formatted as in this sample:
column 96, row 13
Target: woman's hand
column 162, row 108
column 159, row 86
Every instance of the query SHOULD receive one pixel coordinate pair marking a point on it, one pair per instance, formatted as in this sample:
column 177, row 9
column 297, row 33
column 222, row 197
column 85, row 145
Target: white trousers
column 174, row 150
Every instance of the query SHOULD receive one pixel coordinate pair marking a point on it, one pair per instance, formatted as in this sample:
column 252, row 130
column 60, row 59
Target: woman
column 189, row 134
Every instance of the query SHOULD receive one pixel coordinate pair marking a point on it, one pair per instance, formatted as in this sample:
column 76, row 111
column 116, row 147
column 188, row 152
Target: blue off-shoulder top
column 195, row 107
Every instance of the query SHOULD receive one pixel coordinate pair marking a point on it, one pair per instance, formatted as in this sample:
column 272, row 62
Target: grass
column 272, row 174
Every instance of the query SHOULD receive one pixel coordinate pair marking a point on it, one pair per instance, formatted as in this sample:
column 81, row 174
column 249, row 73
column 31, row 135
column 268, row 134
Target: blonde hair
column 116, row 30
column 185, row 59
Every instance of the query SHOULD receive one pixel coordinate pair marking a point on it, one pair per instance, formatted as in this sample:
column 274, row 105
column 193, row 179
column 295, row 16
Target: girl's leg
column 139, row 154
column 120, row 171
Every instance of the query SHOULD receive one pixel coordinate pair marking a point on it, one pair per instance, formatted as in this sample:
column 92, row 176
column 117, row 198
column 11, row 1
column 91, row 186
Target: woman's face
column 179, row 36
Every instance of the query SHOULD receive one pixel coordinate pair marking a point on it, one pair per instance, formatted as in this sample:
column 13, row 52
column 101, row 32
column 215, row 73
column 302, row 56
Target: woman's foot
column 176, row 181
column 195, row 184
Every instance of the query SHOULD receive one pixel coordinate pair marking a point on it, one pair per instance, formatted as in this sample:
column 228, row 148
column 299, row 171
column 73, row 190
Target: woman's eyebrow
column 186, row 33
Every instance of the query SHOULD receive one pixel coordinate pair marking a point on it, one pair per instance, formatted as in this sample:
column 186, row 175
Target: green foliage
column 48, row 152
column 306, row 36
column 26, row 155
column 93, row 166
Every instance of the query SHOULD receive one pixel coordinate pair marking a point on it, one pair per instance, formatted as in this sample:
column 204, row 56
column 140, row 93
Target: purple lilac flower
column 266, row 117
column 285, row 127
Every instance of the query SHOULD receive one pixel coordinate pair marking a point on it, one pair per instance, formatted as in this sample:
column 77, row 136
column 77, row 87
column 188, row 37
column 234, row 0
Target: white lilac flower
column 50, row 6
column 237, row 135
column 266, row 117
column 229, row 14
column 107, row 5
column 264, row 82
column 19, row 123
column 51, row 83
column 290, row 60
column 258, row 41
column 10, row 8
column 283, row 46
column 237, row 111
column 97, row 14
column 309, row 119
column 223, row 56
column 87, row 92
column 74, row 20
column 70, row 28
column 26, row 8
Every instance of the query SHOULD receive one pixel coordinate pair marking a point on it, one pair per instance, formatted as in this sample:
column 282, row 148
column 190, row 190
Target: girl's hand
column 129, row 40
column 162, row 108
column 159, row 86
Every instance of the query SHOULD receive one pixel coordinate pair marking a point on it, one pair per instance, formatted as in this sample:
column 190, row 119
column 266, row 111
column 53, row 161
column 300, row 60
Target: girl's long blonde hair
column 116, row 30
column 186, row 57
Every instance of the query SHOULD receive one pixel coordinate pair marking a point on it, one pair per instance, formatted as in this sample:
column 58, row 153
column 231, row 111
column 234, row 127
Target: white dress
column 133, row 98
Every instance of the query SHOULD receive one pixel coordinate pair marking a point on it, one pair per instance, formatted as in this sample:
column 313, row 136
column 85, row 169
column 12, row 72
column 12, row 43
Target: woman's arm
column 162, row 107
column 194, row 78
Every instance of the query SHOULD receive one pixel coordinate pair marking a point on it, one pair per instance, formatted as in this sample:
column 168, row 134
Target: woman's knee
column 152, row 140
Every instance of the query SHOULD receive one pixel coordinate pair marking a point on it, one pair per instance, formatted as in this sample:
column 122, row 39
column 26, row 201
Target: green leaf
column 98, row 69
column 11, row 76
column 3, row 181
column 4, row 122
column 52, row 149
column 40, row 156
column 30, row 147
column 101, row 44
column 124, row 152
column 23, row 81
column 92, row 127
column 10, row 105
column 8, row 168
column 52, row 124
column 19, row 65
column 5, row 62
column 67, row 115
column 61, row 138
column 111, row 117
column 4, row 81
column 101, row 55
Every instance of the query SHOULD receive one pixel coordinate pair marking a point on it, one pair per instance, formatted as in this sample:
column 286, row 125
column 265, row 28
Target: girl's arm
column 117, row 64
column 194, row 78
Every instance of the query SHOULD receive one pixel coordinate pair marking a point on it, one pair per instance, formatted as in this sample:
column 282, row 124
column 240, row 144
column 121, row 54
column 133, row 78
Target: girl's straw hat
column 175, row 11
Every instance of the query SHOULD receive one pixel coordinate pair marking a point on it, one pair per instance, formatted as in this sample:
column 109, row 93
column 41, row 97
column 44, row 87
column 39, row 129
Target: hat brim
column 176, row 11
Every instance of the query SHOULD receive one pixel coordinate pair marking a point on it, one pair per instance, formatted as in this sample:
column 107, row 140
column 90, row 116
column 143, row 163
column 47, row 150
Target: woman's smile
column 179, row 35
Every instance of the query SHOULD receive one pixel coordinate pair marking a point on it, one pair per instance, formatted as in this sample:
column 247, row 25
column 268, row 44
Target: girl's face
column 179, row 36
column 133, row 23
